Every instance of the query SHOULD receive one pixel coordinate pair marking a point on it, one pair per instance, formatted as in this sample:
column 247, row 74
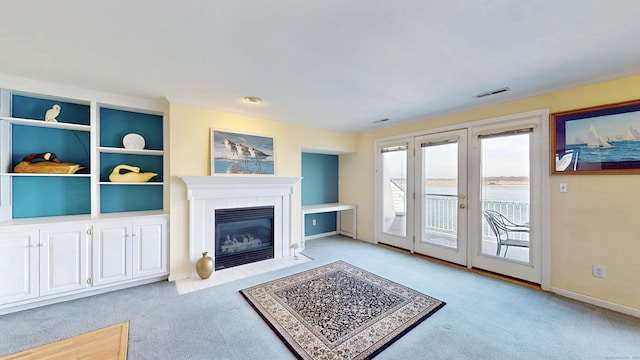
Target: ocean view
column 492, row 193
column 620, row 151
column 496, row 189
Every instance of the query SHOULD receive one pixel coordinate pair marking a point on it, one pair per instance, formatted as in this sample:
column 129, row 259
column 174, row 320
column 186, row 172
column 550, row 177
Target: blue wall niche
column 319, row 186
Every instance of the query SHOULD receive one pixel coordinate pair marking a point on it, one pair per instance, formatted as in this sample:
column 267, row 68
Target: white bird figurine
column 51, row 114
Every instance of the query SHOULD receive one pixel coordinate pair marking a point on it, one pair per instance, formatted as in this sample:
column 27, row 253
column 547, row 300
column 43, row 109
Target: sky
column 505, row 156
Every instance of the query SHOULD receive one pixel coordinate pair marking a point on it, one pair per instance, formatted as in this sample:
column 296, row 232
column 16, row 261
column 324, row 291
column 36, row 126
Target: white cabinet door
column 150, row 247
column 112, row 259
column 18, row 266
column 63, row 258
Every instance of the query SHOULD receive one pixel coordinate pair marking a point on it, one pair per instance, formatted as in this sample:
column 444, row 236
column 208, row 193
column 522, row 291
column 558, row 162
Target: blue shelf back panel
column 33, row 108
column 319, row 186
column 319, row 178
column 50, row 196
column 115, row 124
column 146, row 163
column 117, row 198
column 68, row 145
column 325, row 222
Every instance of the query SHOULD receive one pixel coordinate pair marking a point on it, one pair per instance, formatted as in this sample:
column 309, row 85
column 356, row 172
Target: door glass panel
column 394, row 188
column 505, row 196
column 440, row 191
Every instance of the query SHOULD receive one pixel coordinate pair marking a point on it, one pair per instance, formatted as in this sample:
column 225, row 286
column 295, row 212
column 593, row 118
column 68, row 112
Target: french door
column 441, row 196
column 435, row 191
column 395, row 184
column 508, row 163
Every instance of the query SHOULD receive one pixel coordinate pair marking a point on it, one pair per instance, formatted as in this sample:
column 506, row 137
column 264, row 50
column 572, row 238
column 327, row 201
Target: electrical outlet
column 598, row 271
column 313, row 222
column 564, row 187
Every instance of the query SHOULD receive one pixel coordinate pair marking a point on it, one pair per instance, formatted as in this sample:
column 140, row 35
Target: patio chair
column 503, row 229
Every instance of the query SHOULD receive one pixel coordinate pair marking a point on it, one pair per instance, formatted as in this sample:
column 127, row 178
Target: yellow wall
column 594, row 223
column 189, row 155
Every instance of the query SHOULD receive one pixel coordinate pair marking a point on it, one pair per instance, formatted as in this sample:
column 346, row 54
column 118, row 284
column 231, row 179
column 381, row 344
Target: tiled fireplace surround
column 208, row 193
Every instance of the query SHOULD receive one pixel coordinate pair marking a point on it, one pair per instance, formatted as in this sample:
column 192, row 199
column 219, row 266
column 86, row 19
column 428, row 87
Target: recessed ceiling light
column 253, row 100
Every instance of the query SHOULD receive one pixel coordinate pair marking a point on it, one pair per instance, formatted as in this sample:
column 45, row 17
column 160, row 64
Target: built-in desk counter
column 331, row 207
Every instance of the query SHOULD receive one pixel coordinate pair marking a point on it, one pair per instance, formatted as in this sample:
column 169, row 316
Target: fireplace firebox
column 243, row 235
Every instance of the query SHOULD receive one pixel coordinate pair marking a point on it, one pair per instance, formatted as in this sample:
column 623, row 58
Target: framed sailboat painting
column 597, row 140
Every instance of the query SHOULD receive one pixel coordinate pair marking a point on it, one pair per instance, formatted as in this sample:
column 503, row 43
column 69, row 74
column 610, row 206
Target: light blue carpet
column 484, row 318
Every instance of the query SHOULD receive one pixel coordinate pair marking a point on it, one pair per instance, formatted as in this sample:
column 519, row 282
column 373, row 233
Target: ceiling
column 334, row 64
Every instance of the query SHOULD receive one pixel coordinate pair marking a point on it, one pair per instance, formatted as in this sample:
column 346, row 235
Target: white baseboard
column 179, row 276
column 78, row 294
column 317, row 236
column 598, row 302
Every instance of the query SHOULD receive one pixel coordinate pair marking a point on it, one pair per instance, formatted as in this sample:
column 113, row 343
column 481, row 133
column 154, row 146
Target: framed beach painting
column 597, row 140
column 241, row 154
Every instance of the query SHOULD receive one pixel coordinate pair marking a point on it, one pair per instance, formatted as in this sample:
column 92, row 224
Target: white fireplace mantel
column 208, row 193
column 204, row 187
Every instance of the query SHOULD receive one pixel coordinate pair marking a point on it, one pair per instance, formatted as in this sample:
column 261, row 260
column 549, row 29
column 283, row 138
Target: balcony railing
column 441, row 213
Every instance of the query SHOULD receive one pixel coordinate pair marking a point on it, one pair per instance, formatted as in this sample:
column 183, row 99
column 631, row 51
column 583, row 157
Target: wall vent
column 492, row 92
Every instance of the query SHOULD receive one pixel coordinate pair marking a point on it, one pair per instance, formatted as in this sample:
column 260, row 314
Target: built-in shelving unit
column 67, row 236
column 25, row 132
column 86, row 133
column 114, row 125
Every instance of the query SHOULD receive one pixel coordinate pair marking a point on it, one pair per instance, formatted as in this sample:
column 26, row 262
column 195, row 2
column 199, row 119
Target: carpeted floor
column 484, row 318
column 339, row 311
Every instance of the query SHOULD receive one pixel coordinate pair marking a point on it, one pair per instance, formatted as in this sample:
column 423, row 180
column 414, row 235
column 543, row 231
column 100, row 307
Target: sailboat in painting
column 594, row 140
column 628, row 136
column 631, row 135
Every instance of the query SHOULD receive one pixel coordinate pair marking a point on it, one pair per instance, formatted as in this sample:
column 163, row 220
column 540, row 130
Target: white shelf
column 331, row 207
column 113, row 150
column 46, row 124
column 130, row 183
column 327, row 207
column 66, row 219
column 40, row 174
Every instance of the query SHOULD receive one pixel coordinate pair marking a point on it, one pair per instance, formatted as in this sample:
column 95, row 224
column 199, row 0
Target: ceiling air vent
column 492, row 92
column 381, row 121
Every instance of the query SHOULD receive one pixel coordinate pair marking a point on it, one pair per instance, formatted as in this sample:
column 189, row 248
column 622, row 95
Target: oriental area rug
column 339, row 311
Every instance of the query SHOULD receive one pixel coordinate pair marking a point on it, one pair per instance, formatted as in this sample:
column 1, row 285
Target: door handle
column 462, row 206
